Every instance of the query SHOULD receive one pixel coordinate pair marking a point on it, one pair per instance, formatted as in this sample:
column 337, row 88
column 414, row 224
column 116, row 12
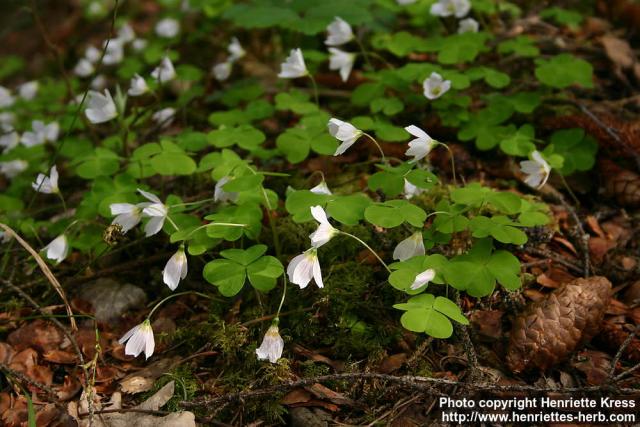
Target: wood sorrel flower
column 156, row 210
column 294, row 66
column 219, row 195
column 410, row 190
column 6, row 98
column 321, row 188
column 235, row 50
column 167, row 28
column 272, row 345
column 13, row 168
column 444, row 8
column 47, row 184
column 139, row 339
column 409, row 247
column 138, row 86
column 28, row 90
column 468, row 25
column 175, row 269
column 435, row 86
column 164, row 72
column 40, row 133
column 342, row 61
column 164, row 117
column 325, row 230
column 339, row 32
column 305, row 267
column 423, row 279
column 100, row 108
column 345, row 132
column 421, row 146
column 128, row 215
column 222, row 71
column 57, row 249
column 537, row 170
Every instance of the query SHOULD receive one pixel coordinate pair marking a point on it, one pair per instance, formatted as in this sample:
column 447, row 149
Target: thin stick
column 45, row 269
column 621, row 350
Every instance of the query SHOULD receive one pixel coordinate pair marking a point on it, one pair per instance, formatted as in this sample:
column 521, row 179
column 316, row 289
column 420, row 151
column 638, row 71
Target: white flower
column 57, row 249
column 12, row 168
column 537, row 170
column 156, row 210
column 139, row 44
column 468, row 25
column 84, row 68
column 325, row 230
column 47, row 184
column 6, row 99
column 343, row 61
column 128, row 215
column 7, row 118
column 321, row 188
column 92, row 54
column 114, row 53
column 139, row 339
column 9, row 138
column 222, row 71
column 28, row 90
column 421, row 146
column 138, row 86
column 175, row 269
column 164, row 72
column 293, row 66
column 409, row 247
column 164, row 117
column 41, row 133
column 423, row 278
column 411, row 190
column 345, row 132
column 100, row 108
column 235, row 50
column 126, row 33
column 167, row 28
column 4, row 237
column 305, row 267
column 219, row 195
column 444, row 8
column 339, row 32
column 99, row 82
column 435, row 86
column 272, row 345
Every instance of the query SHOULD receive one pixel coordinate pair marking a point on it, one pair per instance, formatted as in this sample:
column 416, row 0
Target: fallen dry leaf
column 143, row 380
column 39, row 334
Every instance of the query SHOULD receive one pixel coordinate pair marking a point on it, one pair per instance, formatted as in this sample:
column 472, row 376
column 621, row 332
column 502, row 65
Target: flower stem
column 64, row 204
column 197, row 202
column 368, row 247
column 384, row 159
column 284, row 294
column 157, row 306
column 172, row 223
column 365, row 54
column 315, row 89
column 453, row 162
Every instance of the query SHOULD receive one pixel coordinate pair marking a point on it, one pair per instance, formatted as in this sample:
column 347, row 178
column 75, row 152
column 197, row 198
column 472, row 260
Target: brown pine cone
column 549, row 330
column 620, row 183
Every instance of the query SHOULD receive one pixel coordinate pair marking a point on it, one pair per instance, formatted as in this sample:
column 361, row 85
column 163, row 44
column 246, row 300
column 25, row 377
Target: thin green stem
column 384, row 159
column 453, row 162
column 173, row 223
column 368, row 247
column 192, row 203
column 365, row 54
column 157, row 306
column 64, row 204
column 212, row 224
column 315, row 89
column 284, row 294
column 571, row 193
